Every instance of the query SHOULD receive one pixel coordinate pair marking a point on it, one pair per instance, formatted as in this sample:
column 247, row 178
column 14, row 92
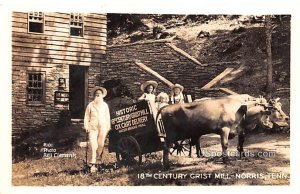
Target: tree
column 269, row 30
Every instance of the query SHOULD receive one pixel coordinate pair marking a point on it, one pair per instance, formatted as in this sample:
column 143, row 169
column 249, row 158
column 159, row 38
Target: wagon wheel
column 129, row 151
column 181, row 147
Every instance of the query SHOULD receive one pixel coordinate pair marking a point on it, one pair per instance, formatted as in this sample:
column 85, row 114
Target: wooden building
column 56, row 61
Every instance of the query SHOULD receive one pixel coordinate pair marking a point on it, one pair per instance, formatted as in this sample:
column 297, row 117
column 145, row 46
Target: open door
column 78, row 90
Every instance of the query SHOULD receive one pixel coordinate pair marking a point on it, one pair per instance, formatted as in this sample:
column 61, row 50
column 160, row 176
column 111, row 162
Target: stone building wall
column 164, row 58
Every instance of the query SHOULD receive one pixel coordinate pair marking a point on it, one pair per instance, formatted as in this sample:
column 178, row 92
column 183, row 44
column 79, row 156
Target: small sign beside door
column 61, row 97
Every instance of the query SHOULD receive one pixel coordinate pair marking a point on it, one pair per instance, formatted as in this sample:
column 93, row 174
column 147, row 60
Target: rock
column 136, row 36
column 238, row 30
column 232, row 48
column 203, row 34
column 160, row 33
column 82, row 144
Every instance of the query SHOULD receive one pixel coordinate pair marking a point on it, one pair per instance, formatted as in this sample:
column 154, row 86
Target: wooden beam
column 67, row 43
column 40, row 57
column 97, row 40
column 228, row 91
column 182, row 52
column 216, row 79
column 140, row 42
column 71, row 47
column 19, row 51
column 58, row 33
column 154, row 73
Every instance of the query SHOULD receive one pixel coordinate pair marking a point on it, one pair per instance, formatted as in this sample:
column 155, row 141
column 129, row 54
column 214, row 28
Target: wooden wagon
column 134, row 132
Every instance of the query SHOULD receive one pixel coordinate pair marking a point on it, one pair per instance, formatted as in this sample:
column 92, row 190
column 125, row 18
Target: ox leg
column 198, row 148
column 166, row 152
column 192, row 143
column 240, row 147
column 224, row 143
column 191, row 147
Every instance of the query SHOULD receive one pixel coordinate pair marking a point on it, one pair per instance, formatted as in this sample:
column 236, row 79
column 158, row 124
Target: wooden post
column 154, row 73
column 228, row 91
column 217, row 79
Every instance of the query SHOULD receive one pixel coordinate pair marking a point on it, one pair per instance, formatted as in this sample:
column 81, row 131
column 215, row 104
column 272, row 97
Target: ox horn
column 266, row 106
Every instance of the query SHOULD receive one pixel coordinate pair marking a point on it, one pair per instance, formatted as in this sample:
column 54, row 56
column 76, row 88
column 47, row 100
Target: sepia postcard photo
column 103, row 98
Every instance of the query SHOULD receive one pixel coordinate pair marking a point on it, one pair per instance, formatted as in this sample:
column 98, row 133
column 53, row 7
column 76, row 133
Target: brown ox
column 260, row 112
column 192, row 120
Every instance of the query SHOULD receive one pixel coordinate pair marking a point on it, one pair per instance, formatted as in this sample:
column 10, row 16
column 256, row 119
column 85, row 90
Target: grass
column 54, row 171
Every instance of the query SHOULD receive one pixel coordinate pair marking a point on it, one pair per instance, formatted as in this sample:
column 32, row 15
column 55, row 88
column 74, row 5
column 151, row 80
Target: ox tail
column 242, row 112
column 159, row 113
column 241, row 115
column 159, row 123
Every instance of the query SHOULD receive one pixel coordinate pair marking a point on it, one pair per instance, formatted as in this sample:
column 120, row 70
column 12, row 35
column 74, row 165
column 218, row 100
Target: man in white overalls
column 97, row 124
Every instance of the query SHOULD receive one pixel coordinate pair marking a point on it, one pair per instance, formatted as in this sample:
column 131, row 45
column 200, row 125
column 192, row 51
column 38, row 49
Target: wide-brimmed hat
column 103, row 90
column 177, row 86
column 147, row 83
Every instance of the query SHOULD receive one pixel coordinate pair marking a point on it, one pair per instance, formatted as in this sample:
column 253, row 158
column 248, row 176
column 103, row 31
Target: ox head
column 258, row 113
column 265, row 120
column 277, row 115
column 273, row 113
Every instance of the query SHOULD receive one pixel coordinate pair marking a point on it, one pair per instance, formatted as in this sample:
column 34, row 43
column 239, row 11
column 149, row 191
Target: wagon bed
column 134, row 132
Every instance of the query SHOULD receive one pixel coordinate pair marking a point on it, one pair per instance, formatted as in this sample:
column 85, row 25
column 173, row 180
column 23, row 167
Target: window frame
column 43, row 80
column 71, row 26
column 43, row 23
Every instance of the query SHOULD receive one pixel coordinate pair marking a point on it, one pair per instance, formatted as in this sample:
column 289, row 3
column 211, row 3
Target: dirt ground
column 267, row 162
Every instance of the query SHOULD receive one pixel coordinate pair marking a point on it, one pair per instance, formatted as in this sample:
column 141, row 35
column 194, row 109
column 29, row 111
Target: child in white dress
column 148, row 88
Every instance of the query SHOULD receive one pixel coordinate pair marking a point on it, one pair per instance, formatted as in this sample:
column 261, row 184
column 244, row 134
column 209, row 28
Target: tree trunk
column 269, row 84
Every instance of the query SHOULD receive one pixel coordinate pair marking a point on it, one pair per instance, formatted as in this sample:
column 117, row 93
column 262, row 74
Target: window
column 35, row 87
column 76, row 24
column 36, row 22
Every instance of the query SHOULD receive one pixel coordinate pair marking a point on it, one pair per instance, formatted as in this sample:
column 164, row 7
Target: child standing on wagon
column 148, row 88
column 177, row 96
column 162, row 100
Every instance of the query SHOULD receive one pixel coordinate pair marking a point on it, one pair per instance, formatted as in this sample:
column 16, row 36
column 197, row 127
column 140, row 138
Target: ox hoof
column 166, row 166
column 242, row 154
column 226, row 160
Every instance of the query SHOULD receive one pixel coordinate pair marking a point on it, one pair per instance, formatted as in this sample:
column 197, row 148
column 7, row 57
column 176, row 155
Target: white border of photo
column 256, row 7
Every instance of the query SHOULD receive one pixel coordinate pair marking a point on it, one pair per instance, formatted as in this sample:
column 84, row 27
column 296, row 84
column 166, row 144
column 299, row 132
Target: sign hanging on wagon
column 137, row 115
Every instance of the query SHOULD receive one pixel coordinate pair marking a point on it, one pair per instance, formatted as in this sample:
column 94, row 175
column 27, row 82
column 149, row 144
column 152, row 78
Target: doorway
column 78, row 90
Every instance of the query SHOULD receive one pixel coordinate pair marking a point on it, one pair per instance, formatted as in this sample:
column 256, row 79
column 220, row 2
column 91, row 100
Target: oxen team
column 227, row 116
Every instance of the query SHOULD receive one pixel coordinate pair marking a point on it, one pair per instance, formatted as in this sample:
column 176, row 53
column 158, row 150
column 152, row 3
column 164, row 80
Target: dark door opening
column 77, row 85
